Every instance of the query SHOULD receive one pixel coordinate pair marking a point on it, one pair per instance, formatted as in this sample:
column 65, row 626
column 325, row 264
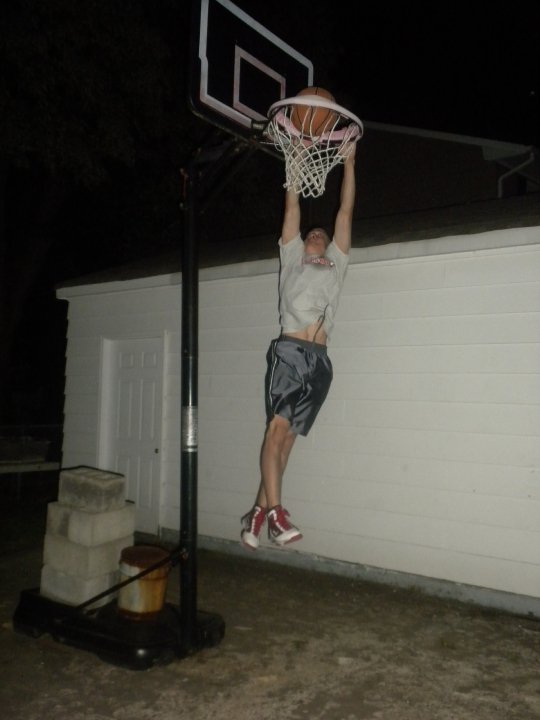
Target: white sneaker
column 252, row 524
column 280, row 530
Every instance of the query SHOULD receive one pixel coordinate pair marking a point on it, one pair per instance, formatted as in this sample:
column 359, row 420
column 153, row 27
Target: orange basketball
column 312, row 120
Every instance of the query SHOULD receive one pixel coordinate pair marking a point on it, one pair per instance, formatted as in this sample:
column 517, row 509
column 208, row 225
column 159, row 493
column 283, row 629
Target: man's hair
column 318, row 227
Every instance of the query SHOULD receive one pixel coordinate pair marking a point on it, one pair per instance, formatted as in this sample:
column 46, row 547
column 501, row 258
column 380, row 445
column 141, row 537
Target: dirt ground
column 298, row 645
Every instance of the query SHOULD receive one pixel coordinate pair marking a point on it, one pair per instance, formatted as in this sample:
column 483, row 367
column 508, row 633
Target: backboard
column 239, row 67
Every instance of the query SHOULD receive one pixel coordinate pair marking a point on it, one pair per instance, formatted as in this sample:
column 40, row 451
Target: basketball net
column 309, row 157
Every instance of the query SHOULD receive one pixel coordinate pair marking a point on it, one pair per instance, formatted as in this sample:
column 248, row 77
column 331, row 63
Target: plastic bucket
column 142, row 599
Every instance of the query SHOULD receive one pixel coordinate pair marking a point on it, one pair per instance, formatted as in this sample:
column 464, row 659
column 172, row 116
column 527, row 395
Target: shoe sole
column 281, row 543
column 245, row 541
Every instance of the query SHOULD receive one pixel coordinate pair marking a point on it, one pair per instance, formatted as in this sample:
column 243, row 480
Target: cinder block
column 91, row 489
column 90, row 528
column 85, row 562
column 74, row 590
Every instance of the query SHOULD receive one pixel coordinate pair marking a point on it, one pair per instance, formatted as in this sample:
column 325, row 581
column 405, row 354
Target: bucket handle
column 170, row 558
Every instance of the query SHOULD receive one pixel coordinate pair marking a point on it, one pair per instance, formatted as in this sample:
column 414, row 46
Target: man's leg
column 276, row 448
column 275, row 451
column 283, row 388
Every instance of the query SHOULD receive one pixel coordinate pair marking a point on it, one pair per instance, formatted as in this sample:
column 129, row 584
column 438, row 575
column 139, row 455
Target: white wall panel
column 492, row 358
column 473, row 387
column 436, row 302
column 425, row 458
column 471, row 417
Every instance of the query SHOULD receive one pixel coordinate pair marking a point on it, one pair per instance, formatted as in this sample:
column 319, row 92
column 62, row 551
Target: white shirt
column 309, row 292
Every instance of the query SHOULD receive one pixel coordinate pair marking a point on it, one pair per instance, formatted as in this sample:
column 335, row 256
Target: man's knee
column 278, row 431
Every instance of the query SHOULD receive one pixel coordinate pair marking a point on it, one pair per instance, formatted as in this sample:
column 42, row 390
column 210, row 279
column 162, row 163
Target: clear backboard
column 239, row 68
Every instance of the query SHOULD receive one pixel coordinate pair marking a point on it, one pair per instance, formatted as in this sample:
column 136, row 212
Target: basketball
column 312, row 120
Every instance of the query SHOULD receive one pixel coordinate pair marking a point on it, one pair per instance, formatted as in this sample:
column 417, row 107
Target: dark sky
column 465, row 68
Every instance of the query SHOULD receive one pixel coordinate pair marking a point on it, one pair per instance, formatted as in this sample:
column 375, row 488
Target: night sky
column 464, row 68
column 95, row 127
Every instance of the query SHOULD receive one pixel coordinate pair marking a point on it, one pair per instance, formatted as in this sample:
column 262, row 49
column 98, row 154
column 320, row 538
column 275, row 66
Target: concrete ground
column 298, row 645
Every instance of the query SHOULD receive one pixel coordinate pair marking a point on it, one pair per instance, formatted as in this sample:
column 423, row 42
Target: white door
column 131, row 422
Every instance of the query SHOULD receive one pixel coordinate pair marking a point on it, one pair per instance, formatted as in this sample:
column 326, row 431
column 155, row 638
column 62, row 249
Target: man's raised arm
column 344, row 217
column 291, row 217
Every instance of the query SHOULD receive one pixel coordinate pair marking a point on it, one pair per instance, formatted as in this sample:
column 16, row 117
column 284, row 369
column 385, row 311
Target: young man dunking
column 299, row 371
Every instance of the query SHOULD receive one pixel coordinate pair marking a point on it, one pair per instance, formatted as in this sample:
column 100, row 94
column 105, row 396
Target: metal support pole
column 220, row 163
column 189, row 418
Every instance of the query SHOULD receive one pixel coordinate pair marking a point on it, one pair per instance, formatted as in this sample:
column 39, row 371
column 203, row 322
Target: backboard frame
column 239, row 68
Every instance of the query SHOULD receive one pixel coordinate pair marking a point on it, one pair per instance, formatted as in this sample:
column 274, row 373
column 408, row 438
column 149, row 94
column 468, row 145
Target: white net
column 309, row 157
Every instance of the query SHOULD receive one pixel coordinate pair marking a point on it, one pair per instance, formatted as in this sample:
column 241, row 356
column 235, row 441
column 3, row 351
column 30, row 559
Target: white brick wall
column 425, row 458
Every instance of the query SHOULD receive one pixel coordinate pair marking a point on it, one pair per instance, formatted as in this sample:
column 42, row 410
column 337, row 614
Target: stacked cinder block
column 87, row 529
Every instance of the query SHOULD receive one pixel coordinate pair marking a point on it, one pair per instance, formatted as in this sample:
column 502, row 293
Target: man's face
column 316, row 242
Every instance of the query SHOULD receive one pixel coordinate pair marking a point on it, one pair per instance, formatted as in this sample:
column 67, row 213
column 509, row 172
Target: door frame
column 106, row 412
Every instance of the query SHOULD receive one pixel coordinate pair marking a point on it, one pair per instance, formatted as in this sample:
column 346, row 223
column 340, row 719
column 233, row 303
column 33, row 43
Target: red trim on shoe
column 280, row 530
column 252, row 524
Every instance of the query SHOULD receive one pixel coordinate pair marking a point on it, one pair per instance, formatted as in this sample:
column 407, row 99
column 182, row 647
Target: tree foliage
column 85, row 85
column 94, row 131
column 92, row 97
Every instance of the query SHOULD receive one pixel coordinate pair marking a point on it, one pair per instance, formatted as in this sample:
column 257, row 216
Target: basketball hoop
column 309, row 157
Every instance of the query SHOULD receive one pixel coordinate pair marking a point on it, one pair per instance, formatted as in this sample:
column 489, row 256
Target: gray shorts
column 298, row 378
